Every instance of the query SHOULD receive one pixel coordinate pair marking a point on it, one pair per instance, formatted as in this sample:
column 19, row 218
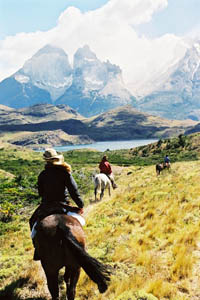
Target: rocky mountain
column 125, row 123
column 38, row 113
column 43, row 139
column 178, row 92
column 40, row 119
column 193, row 129
column 96, row 87
column 90, row 86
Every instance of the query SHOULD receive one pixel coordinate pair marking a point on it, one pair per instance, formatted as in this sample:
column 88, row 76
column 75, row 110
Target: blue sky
column 16, row 16
column 32, row 15
column 142, row 37
column 180, row 17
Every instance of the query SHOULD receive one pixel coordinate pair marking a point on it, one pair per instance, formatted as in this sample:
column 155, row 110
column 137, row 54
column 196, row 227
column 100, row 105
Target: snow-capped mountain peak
column 48, row 69
column 178, row 96
column 90, row 87
column 92, row 74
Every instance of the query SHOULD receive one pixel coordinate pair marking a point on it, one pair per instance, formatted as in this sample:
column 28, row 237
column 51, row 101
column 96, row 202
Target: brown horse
column 161, row 167
column 60, row 242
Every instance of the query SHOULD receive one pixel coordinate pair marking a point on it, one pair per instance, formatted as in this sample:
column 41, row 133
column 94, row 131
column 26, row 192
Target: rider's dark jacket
column 55, row 184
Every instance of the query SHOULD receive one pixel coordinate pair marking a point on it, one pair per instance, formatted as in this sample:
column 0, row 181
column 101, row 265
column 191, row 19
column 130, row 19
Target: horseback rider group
column 58, row 237
column 55, row 184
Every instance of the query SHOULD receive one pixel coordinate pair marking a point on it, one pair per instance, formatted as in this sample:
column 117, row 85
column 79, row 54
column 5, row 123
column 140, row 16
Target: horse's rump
column 60, row 241
column 49, row 240
column 97, row 183
column 52, row 227
column 159, row 166
column 101, row 180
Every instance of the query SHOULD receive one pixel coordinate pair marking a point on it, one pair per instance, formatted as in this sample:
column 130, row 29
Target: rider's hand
column 81, row 211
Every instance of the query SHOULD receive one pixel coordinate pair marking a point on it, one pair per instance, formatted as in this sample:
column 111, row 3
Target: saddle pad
column 77, row 216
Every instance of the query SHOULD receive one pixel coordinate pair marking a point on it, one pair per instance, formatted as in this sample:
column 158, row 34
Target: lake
column 111, row 145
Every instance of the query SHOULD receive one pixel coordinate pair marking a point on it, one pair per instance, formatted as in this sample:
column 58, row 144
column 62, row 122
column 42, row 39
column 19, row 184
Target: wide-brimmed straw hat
column 50, row 155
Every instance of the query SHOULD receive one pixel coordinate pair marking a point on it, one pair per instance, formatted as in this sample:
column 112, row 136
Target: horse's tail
column 98, row 272
column 97, row 182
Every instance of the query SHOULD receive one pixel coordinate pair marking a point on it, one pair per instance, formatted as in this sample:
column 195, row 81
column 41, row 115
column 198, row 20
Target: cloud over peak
column 110, row 31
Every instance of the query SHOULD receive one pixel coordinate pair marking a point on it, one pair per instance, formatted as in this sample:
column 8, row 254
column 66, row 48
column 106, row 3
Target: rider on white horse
column 105, row 168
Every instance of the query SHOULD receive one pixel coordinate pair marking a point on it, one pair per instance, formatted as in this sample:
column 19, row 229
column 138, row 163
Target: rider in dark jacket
column 55, row 184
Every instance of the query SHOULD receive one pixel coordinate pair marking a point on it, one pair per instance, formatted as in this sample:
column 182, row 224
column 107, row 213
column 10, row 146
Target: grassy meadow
column 147, row 231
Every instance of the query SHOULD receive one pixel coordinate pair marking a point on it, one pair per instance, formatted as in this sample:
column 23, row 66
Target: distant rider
column 167, row 161
column 105, row 168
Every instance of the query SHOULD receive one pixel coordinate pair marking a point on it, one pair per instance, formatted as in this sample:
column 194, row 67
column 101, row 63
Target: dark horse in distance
column 60, row 242
column 161, row 167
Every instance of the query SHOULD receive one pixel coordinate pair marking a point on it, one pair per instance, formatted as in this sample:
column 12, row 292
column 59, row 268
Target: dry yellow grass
column 148, row 231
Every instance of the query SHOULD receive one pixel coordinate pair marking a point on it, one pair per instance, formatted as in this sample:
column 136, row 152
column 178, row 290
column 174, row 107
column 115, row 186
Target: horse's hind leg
column 157, row 171
column 71, row 278
column 109, row 190
column 52, row 282
column 95, row 193
column 101, row 195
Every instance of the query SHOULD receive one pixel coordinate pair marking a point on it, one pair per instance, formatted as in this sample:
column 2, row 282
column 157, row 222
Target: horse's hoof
column 102, row 287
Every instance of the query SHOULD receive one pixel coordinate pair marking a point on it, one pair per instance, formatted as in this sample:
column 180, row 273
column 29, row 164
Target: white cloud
column 133, row 12
column 110, row 31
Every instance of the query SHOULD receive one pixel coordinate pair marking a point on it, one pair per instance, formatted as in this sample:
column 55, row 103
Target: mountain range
column 90, row 86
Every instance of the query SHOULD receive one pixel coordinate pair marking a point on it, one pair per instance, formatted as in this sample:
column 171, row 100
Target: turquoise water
column 111, row 145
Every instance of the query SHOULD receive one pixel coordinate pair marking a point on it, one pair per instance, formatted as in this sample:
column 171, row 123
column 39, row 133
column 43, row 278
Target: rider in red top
column 105, row 168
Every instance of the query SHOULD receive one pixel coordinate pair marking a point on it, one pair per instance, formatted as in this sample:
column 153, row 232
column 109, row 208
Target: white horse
column 101, row 182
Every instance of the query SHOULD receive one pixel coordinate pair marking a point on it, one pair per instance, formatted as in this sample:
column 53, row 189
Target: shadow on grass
column 9, row 292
